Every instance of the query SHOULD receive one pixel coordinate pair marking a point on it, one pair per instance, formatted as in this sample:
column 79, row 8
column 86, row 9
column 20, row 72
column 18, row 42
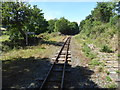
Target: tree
column 62, row 25
column 73, row 28
column 118, row 8
column 20, row 17
column 103, row 11
column 51, row 25
column 37, row 23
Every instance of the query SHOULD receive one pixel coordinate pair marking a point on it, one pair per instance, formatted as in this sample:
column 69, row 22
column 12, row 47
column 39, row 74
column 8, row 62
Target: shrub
column 108, row 78
column 118, row 55
column 105, row 48
column 107, row 72
column 85, row 48
column 94, row 62
column 91, row 55
column 100, row 69
column 113, row 85
column 117, row 71
column 88, row 52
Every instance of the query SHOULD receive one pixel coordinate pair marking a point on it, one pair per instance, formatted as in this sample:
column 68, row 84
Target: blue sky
column 73, row 11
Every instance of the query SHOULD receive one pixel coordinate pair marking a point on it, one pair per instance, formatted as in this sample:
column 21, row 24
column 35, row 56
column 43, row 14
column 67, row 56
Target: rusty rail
column 67, row 42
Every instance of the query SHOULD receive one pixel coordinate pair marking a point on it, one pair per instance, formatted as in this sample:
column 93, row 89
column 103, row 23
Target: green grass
column 4, row 38
column 113, row 85
column 108, row 79
column 88, row 52
column 94, row 62
column 23, row 53
column 105, row 48
column 119, row 55
column 37, row 51
column 107, row 72
column 117, row 71
column 100, row 69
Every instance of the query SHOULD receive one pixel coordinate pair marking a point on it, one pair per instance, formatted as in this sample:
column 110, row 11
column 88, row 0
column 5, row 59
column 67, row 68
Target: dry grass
column 32, row 51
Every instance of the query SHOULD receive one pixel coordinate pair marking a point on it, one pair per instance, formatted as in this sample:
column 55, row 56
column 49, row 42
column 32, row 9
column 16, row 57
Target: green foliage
column 86, row 49
column 66, row 27
column 102, row 19
column 94, row 62
column 20, row 17
column 103, row 11
column 4, row 38
column 117, row 71
column 114, row 20
column 100, row 69
column 119, row 55
column 107, row 72
column 73, row 28
column 88, row 52
column 62, row 25
column 108, row 79
column 105, row 48
column 113, row 85
column 51, row 25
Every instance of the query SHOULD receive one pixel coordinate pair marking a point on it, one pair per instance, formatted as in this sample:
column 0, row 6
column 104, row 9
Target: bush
column 105, row 48
column 112, row 85
column 100, row 69
column 91, row 55
column 94, row 62
column 86, row 49
column 107, row 72
column 108, row 78
column 117, row 71
column 88, row 52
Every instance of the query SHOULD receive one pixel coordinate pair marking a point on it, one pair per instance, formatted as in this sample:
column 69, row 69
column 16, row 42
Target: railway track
column 56, row 76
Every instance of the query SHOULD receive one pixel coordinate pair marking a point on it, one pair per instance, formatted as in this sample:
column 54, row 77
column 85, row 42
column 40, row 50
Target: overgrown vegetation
column 107, row 49
column 20, row 17
column 113, row 85
column 36, row 51
column 88, row 52
column 108, row 79
column 101, row 25
column 64, row 26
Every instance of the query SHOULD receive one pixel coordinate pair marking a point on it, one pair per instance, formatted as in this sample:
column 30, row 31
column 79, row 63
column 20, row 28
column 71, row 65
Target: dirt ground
column 22, row 72
column 82, row 75
column 79, row 77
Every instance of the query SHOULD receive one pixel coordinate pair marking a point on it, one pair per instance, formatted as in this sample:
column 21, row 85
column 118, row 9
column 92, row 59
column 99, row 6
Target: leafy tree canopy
column 20, row 17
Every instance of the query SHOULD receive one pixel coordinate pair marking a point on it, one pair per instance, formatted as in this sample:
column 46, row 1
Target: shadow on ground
column 22, row 72
column 79, row 77
column 20, row 43
column 53, row 43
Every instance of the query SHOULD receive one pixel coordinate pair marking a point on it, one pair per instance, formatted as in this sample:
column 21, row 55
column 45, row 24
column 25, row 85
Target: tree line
column 104, row 16
column 21, row 17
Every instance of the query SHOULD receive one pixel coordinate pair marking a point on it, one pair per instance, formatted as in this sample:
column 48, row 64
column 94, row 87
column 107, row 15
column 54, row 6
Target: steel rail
column 56, row 60
column 63, row 75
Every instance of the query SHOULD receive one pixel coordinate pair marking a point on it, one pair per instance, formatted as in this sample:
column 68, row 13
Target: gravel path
column 80, row 74
column 84, row 76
